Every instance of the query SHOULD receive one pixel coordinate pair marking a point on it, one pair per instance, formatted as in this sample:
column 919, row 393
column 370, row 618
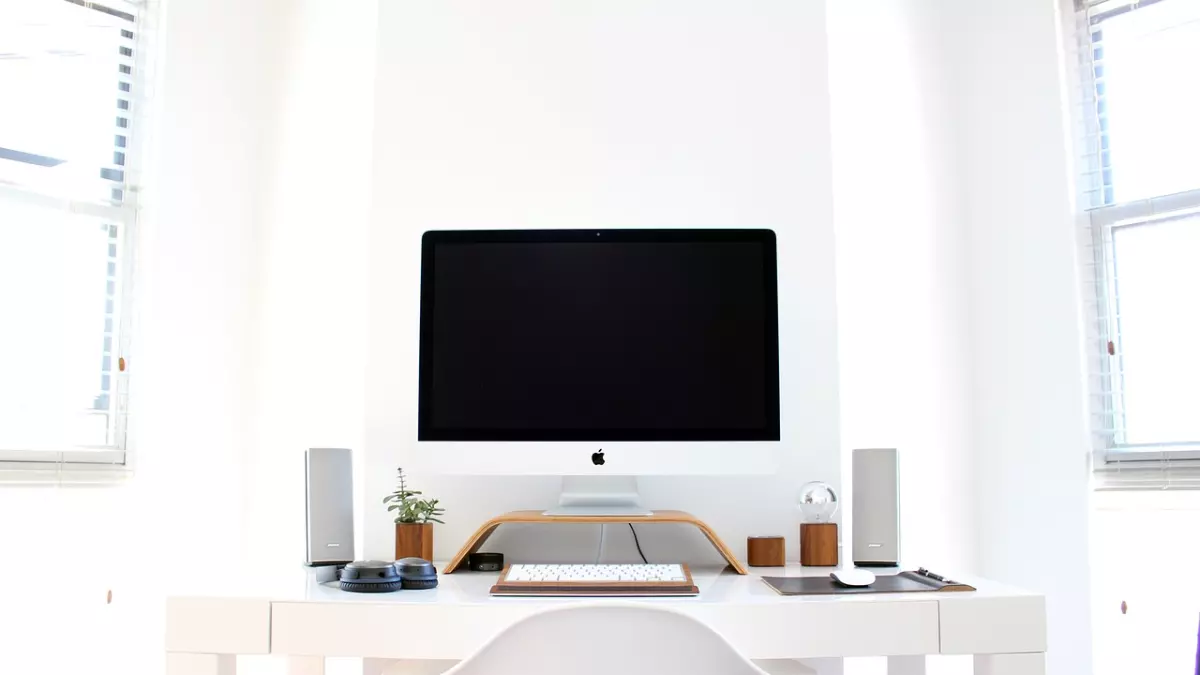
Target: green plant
column 409, row 506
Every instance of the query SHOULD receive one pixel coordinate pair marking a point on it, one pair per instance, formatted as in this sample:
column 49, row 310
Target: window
column 1141, row 190
column 70, row 81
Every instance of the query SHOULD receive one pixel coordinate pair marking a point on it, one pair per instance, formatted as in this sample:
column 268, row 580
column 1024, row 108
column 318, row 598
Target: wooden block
column 414, row 540
column 765, row 552
column 819, row 544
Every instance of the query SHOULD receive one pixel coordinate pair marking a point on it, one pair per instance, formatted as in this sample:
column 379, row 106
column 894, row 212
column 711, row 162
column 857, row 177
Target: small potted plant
column 414, row 520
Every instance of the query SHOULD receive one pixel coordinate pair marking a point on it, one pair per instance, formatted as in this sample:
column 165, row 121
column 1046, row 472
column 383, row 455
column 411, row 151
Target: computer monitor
column 599, row 352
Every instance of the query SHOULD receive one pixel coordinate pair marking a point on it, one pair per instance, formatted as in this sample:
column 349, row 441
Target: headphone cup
column 371, row 586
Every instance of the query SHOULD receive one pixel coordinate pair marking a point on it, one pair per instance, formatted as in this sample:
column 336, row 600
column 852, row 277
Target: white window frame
column 112, row 461
column 1104, row 222
column 1116, row 464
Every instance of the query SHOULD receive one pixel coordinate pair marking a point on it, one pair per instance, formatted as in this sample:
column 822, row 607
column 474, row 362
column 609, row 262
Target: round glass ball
column 818, row 502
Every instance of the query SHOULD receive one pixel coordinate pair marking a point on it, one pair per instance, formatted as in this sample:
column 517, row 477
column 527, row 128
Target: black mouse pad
column 904, row 582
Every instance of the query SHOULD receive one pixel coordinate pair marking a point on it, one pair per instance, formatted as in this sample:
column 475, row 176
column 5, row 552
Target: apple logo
column 598, row 458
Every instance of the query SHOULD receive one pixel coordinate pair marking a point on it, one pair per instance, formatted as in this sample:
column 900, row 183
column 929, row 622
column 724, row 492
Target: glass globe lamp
column 818, row 533
column 818, row 502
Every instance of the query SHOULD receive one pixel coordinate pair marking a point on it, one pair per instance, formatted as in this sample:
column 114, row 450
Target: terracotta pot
column 414, row 540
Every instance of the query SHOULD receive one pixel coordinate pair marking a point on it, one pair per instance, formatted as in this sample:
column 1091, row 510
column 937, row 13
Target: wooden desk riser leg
column 721, row 548
column 1010, row 664
column 201, row 664
column 473, row 544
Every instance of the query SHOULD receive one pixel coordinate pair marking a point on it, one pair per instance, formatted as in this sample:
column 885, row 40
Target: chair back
column 607, row 639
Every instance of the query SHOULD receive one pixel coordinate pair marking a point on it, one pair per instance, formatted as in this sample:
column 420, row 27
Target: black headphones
column 377, row 576
column 416, row 574
column 370, row 576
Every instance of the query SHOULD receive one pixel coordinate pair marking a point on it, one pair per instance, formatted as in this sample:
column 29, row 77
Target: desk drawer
column 820, row 629
column 757, row 630
column 993, row 625
column 410, row 631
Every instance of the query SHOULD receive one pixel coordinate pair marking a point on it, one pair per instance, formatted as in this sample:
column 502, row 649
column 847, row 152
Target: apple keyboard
column 590, row 573
column 672, row 579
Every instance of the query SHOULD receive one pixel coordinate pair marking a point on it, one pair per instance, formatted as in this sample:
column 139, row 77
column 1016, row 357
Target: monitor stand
column 599, row 496
column 477, row 540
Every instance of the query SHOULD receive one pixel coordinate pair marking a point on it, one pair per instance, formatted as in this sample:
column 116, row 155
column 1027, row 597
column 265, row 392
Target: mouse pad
column 904, row 582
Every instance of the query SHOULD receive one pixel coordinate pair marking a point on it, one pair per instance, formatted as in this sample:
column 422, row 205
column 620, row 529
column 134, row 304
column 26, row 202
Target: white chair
column 607, row 639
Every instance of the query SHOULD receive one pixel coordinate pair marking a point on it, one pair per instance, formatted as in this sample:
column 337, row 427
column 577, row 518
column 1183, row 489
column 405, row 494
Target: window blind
column 1139, row 190
column 72, row 76
column 69, row 81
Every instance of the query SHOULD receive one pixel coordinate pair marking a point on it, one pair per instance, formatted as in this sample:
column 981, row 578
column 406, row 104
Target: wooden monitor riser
column 481, row 535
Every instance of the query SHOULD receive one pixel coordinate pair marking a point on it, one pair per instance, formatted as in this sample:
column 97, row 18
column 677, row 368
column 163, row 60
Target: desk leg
column 1010, row 664
column 201, row 664
column 906, row 665
column 835, row 665
column 375, row 666
column 305, row 665
column 409, row 666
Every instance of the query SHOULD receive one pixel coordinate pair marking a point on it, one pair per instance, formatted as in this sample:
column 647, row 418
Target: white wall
column 1028, row 395
column 611, row 114
column 311, row 330
column 1156, row 630
column 212, row 106
column 901, row 260
column 78, row 533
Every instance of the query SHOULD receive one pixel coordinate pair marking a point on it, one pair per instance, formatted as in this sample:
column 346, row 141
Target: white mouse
column 853, row 577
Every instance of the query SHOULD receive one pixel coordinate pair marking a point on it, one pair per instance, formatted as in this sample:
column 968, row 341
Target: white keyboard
column 586, row 573
column 596, row 580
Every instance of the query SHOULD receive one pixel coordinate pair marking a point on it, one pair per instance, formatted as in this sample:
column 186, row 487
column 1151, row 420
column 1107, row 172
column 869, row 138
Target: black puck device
column 485, row 562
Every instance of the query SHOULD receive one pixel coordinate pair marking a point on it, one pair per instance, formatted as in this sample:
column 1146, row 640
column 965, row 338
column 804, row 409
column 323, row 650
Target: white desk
column 1004, row 628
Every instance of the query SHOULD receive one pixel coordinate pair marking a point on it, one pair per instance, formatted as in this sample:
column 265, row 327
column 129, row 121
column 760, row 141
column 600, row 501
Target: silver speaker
column 876, row 503
column 329, row 506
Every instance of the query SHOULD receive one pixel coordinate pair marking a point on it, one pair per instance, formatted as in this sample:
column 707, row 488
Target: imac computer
column 599, row 355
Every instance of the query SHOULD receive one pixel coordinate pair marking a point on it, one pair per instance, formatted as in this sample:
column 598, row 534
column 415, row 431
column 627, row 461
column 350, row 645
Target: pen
column 936, row 577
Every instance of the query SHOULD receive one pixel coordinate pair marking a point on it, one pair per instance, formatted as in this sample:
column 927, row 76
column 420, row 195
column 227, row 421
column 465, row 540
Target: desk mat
column 904, row 582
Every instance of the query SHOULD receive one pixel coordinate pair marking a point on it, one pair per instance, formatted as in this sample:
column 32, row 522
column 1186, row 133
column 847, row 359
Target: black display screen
column 611, row 335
